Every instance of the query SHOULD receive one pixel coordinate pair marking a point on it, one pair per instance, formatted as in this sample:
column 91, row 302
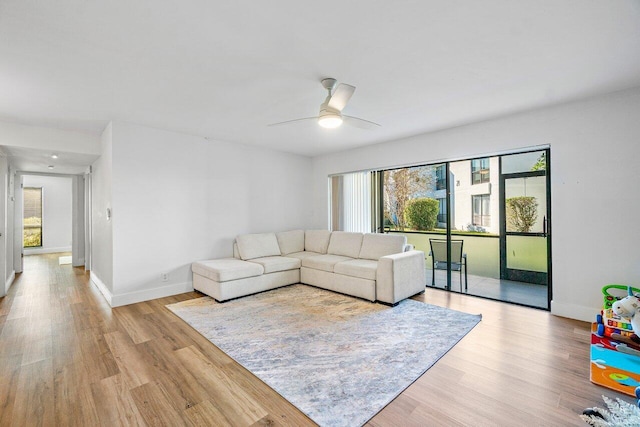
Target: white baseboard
column 117, row 300
column 572, row 311
column 38, row 251
column 101, row 287
column 149, row 294
column 9, row 282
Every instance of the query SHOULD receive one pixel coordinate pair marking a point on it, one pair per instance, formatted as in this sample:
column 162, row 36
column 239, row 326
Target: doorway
column 50, row 217
column 525, row 212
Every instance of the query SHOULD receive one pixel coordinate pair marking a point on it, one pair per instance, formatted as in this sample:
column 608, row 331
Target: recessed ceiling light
column 54, row 156
column 50, row 166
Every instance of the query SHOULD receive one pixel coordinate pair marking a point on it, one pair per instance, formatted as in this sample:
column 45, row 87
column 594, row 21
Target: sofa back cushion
column 375, row 246
column 290, row 241
column 316, row 241
column 345, row 243
column 252, row 246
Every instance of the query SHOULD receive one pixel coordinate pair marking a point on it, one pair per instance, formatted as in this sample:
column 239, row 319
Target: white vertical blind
column 356, row 202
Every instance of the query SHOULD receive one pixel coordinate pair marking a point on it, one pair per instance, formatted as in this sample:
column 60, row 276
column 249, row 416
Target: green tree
column 522, row 213
column 400, row 186
column 541, row 163
column 422, row 213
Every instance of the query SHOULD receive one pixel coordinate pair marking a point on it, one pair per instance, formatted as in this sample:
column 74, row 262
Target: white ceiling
column 37, row 160
column 224, row 70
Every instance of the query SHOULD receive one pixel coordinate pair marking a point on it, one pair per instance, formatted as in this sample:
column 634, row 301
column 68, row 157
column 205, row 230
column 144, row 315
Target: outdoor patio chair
column 438, row 256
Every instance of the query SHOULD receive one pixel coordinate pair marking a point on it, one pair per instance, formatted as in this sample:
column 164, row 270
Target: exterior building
column 474, row 195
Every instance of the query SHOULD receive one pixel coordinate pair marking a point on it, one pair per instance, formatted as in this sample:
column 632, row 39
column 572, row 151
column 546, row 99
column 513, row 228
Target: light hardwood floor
column 67, row 358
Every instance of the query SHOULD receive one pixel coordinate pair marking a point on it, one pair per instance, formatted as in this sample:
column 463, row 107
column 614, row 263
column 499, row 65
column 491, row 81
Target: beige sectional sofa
column 376, row 267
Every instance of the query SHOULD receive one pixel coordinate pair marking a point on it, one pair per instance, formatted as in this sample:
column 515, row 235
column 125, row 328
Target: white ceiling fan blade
column 341, row 96
column 361, row 123
column 293, row 121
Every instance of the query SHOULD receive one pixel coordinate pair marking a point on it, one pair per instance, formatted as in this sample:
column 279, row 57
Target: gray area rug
column 338, row 359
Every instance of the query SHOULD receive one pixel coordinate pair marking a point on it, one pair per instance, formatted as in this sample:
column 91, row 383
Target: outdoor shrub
column 522, row 213
column 422, row 213
column 32, row 238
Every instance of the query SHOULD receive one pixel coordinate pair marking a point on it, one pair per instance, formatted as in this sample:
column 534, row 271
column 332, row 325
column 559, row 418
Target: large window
column 493, row 210
column 480, row 171
column 32, row 236
column 481, row 216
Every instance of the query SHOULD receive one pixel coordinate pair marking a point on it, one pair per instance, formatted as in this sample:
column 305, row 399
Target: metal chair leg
column 433, row 273
column 466, row 280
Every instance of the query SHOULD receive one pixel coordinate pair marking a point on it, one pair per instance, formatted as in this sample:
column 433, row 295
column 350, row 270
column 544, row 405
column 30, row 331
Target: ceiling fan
column 330, row 115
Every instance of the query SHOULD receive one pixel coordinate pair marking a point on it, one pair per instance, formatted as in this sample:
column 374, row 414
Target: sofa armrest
column 400, row 276
column 408, row 247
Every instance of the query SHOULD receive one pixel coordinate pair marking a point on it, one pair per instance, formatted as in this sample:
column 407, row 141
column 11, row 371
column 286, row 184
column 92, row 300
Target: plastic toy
column 610, row 323
column 615, row 348
column 609, row 299
column 628, row 307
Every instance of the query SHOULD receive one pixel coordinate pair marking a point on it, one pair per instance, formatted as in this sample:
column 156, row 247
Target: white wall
column 101, row 227
column 4, row 178
column 179, row 198
column 595, row 151
column 56, row 213
column 10, row 228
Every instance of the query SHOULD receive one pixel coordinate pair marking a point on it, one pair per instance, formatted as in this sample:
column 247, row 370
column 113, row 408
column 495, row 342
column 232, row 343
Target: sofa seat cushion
column 257, row 245
column 362, row 268
column 302, row 255
column 271, row 264
column 375, row 246
column 345, row 243
column 225, row 269
column 324, row 262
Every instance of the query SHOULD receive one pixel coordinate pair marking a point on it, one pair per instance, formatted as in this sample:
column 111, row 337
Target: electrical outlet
column 164, row 277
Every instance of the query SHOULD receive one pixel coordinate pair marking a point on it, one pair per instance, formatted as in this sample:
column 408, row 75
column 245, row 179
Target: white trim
column 38, row 251
column 9, row 281
column 101, row 287
column 572, row 311
column 149, row 294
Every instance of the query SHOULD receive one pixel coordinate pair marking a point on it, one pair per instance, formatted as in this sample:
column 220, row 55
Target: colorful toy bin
column 615, row 348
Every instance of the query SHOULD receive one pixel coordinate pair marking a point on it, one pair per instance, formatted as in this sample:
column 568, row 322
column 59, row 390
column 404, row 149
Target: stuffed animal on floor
column 629, row 307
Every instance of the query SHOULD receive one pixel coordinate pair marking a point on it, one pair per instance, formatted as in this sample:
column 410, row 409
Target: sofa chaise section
column 259, row 267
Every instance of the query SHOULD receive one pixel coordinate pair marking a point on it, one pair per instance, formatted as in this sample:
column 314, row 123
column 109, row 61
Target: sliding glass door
column 483, row 223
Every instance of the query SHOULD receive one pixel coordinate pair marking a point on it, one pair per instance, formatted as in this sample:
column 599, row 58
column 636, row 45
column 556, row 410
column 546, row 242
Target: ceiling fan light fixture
column 330, row 121
column 329, row 118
